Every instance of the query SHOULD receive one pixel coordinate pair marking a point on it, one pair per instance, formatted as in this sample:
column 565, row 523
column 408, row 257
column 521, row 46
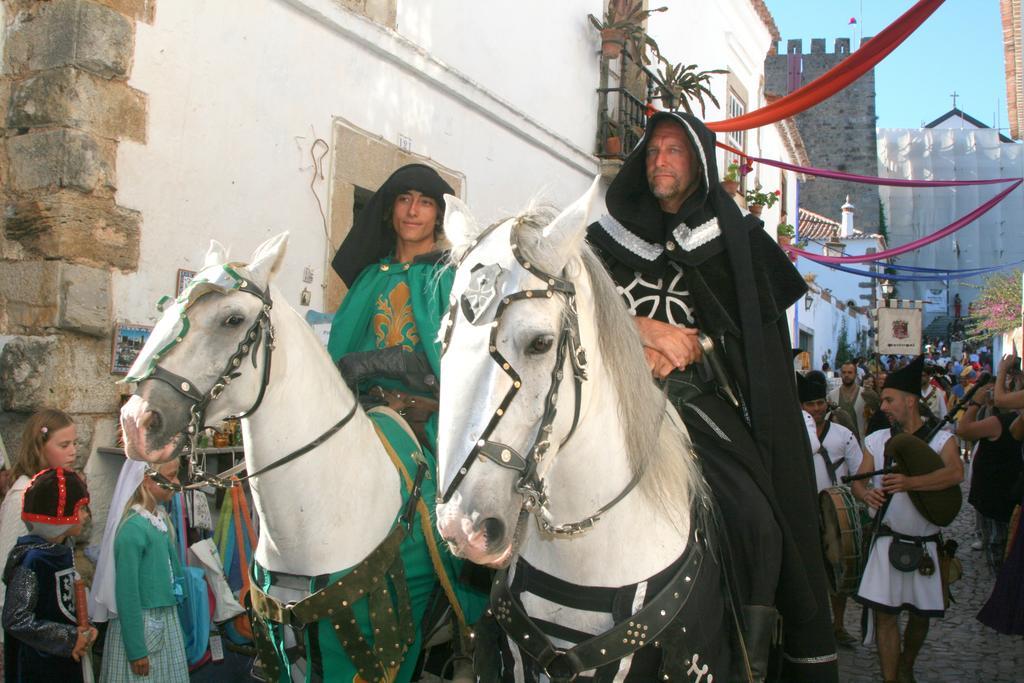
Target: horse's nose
column 494, row 532
column 153, row 421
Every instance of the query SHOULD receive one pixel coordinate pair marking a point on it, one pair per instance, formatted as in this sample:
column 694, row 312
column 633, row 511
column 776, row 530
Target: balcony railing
column 622, row 114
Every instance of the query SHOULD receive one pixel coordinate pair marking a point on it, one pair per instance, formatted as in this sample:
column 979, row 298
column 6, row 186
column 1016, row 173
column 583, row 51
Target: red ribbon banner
column 838, row 77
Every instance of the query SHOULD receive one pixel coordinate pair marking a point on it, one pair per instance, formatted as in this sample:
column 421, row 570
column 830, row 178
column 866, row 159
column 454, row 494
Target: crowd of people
column 971, row 423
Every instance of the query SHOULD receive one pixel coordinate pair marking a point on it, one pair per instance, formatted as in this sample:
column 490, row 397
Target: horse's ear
column 215, row 255
column 459, row 225
column 565, row 234
column 267, row 258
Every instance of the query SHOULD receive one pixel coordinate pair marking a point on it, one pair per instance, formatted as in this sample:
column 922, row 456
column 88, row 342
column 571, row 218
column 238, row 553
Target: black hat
column 907, row 378
column 54, row 496
column 812, row 386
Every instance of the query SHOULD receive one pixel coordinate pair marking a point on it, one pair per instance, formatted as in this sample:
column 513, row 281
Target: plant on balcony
column 612, row 145
column 731, row 179
column 622, row 24
column 757, row 200
column 681, row 83
column 785, row 230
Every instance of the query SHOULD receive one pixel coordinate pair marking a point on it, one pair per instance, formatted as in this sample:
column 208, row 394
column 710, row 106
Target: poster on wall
column 899, row 331
column 128, row 341
column 184, row 279
column 935, row 300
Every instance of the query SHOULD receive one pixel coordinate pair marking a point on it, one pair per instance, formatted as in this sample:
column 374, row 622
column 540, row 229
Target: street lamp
column 808, row 301
column 887, row 290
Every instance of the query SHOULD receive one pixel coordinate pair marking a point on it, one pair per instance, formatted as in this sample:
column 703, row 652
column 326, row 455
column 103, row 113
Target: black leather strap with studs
column 622, row 640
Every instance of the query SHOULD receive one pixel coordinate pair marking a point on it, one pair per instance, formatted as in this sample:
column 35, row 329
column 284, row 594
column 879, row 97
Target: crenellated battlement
column 838, row 133
column 795, row 46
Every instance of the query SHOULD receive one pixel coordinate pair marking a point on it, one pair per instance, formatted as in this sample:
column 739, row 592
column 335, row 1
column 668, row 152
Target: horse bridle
column 531, row 484
column 259, row 334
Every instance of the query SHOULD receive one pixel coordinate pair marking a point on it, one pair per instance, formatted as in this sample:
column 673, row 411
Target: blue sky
column 960, row 47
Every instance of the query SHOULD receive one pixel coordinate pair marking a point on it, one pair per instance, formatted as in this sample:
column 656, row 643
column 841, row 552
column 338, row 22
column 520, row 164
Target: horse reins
column 260, row 333
column 530, row 483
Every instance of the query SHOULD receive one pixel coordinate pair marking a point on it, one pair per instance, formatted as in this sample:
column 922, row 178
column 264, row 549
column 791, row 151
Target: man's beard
column 677, row 189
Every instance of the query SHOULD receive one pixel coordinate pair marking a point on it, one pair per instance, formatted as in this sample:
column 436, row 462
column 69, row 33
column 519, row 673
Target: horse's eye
column 233, row 320
column 541, row 344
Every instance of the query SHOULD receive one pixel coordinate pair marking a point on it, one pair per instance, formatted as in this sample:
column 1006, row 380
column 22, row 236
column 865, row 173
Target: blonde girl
column 49, row 440
column 135, row 583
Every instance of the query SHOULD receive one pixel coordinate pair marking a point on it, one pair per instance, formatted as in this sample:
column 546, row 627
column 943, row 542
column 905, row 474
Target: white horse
column 610, row 474
column 321, row 512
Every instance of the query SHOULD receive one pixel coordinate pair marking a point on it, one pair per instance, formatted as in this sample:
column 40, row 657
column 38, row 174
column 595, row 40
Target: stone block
column 29, row 296
column 11, row 426
column 141, row 10
column 384, row 12
column 71, row 33
column 66, row 225
column 82, row 375
column 817, row 45
column 5, row 96
column 62, row 157
column 73, row 98
column 27, row 374
column 67, row 372
column 84, row 304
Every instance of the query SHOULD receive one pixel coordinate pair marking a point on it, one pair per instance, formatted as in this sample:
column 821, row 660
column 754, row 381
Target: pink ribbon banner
column 916, row 244
column 865, row 179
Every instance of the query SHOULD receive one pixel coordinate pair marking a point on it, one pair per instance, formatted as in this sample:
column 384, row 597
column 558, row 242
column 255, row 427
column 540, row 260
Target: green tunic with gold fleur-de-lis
column 395, row 304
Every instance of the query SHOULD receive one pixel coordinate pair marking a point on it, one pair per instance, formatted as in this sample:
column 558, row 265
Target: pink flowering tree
column 997, row 309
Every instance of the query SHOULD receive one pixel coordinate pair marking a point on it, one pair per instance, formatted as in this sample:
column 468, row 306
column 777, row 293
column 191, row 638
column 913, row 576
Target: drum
column 842, row 536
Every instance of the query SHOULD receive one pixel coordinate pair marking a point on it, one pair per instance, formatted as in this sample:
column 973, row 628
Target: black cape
column 742, row 284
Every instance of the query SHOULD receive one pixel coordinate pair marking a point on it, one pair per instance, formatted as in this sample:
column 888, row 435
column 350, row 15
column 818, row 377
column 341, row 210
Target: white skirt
column 887, row 589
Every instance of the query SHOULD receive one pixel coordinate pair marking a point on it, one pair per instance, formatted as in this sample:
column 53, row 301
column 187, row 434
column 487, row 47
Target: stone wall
column 839, row 133
column 65, row 104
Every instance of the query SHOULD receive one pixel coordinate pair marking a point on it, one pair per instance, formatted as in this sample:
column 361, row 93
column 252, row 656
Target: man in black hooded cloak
column 693, row 268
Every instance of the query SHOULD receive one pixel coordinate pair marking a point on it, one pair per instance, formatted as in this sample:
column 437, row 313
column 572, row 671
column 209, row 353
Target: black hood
column 631, row 203
column 371, row 237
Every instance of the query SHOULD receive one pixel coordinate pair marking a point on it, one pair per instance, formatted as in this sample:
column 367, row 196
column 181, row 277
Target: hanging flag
column 853, row 20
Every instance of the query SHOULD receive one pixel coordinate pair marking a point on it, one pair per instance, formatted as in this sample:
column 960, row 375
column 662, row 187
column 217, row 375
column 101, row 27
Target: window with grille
column 735, row 106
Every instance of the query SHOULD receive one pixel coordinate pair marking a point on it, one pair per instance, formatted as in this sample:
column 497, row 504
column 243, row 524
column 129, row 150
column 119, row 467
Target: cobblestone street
column 959, row 648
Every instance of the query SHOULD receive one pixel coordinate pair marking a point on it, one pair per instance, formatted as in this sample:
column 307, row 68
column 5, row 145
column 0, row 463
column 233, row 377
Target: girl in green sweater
column 145, row 641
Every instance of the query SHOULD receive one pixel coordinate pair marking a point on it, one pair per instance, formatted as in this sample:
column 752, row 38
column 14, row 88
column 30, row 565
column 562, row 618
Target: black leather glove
column 409, row 367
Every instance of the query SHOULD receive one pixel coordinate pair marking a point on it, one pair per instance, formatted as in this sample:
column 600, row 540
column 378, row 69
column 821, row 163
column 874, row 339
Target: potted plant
column 785, row 232
column 622, row 23
column 731, row 180
column 757, row 200
column 611, row 146
column 679, row 83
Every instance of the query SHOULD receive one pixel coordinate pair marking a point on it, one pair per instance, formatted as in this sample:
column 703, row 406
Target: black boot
column 759, row 623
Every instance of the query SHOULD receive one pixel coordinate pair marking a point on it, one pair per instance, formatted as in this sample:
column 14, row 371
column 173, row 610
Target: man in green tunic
column 385, row 335
column 386, row 329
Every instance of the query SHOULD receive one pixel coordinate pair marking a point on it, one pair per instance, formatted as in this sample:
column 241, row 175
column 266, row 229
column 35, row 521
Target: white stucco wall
column 824, row 321
column 728, row 35
column 239, row 89
column 844, row 286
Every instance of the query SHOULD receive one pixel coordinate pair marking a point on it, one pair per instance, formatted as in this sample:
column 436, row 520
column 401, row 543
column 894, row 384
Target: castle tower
column 839, row 133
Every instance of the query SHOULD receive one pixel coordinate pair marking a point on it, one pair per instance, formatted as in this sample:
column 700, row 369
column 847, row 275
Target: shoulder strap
column 823, row 452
